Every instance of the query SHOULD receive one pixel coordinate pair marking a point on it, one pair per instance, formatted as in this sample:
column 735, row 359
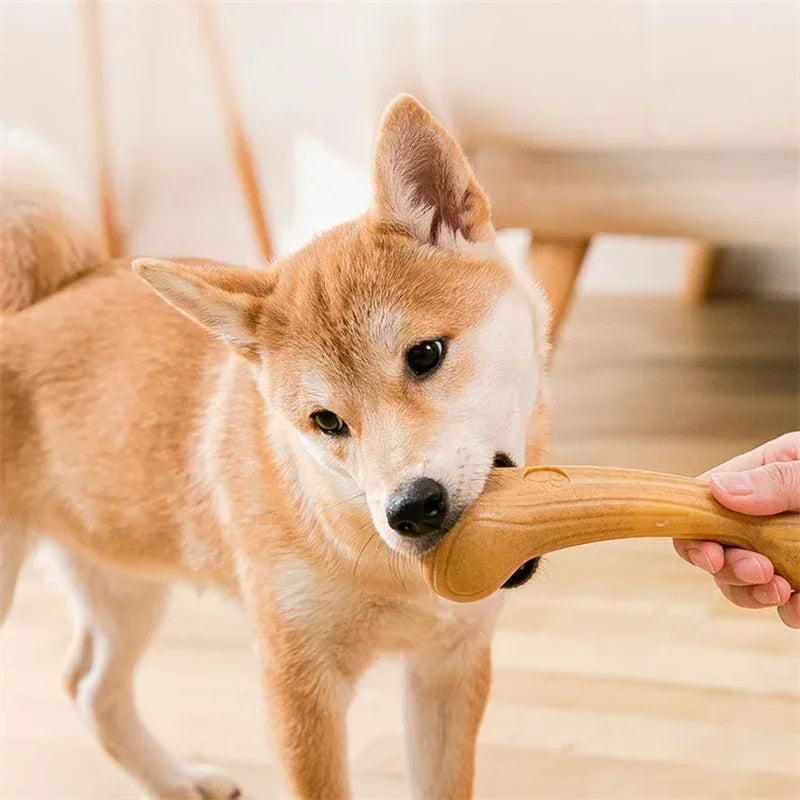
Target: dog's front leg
column 309, row 683
column 446, row 691
column 308, row 704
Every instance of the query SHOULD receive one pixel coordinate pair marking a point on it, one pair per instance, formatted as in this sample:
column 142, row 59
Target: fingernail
column 748, row 569
column 700, row 559
column 735, row 483
column 768, row 595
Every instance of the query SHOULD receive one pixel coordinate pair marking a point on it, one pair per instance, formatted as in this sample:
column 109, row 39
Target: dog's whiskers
column 360, row 554
column 338, row 503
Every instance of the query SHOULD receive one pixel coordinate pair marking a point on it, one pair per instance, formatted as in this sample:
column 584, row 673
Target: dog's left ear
column 228, row 301
column 423, row 184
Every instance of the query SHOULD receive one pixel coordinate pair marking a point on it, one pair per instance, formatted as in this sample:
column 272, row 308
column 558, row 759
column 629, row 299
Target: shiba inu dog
column 296, row 436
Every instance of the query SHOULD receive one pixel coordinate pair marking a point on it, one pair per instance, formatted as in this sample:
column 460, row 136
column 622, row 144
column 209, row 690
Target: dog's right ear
column 227, row 301
column 423, row 185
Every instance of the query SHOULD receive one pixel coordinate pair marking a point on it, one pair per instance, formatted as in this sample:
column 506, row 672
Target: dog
column 297, row 436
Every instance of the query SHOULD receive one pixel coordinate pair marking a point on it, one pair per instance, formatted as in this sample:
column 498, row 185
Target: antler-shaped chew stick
column 523, row 513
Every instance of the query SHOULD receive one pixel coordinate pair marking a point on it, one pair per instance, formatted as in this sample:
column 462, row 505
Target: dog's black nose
column 418, row 508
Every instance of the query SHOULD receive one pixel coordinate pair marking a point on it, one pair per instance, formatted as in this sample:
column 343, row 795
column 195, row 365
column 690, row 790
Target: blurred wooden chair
column 240, row 150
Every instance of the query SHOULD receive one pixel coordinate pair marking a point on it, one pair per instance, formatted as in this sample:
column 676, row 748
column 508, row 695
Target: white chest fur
column 342, row 616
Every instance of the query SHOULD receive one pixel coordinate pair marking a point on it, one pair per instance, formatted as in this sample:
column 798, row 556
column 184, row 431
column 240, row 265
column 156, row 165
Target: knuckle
column 788, row 445
column 784, row 448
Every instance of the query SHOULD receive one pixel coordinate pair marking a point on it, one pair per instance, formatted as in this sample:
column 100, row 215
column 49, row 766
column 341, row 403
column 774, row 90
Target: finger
column 789, row 612
column 784, row 448
column 764, row 596
column 744, row 568
column 709, row 556
column 770, row 489
column 775, row 593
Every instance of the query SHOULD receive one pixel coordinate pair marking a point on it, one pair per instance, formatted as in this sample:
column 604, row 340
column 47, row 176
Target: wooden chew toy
column 524, row 513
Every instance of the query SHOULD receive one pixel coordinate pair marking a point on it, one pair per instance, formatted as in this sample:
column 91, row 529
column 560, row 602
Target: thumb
column 770, row 489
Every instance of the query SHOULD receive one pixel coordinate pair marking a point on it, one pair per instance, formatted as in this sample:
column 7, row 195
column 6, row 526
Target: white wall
column 312, row 79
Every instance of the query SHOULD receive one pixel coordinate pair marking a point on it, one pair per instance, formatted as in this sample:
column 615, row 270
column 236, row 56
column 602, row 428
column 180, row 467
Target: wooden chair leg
column 96, row 79
column 556, row 264
column 239, row 144
column 701, row 273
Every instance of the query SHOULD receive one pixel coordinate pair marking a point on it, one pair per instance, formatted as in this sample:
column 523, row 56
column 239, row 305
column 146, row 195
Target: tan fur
column 137, row 443
column 46, row 236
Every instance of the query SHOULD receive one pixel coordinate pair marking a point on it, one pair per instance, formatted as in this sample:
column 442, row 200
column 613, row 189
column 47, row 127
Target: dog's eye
column 329, row 423
column 425, row 357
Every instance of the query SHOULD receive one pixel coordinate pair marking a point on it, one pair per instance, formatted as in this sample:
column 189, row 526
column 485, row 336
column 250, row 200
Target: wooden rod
column 96, row 81
column 556, row 264
column 237, row 137
column 701, row 273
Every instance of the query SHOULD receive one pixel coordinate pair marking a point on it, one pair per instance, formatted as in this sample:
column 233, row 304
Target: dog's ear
column 227, row 301
column 422, row 183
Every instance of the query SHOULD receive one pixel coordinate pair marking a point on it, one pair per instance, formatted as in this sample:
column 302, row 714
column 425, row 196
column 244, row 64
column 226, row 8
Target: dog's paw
column 203, row 782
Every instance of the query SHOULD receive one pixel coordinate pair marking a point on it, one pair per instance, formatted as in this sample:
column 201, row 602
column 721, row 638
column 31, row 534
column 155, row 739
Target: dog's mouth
column 522, row 575
column 425, row 544
column 527, row 570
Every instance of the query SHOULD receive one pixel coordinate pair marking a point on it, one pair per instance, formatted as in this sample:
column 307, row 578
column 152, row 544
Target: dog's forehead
column 352, row 294
column 363, row 359
column 385, row 327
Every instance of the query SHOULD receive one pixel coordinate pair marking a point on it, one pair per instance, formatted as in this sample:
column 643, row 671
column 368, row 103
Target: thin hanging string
column 237, row 137
column 95, row 74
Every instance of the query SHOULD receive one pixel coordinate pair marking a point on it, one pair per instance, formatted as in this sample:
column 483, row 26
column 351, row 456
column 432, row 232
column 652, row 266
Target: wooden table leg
column 556, row 263
column 701, row 272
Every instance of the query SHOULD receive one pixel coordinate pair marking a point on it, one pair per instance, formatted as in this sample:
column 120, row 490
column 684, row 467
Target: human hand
column 762, row 482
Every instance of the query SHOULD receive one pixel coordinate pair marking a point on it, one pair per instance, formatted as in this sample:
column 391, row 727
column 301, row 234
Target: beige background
column 714, row 78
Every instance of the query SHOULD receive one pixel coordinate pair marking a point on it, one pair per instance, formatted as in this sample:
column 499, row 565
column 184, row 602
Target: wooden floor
column 619, row 672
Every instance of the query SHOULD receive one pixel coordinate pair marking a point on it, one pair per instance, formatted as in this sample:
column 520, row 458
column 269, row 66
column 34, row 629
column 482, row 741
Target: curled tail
column 47, row 235
column 47, row 239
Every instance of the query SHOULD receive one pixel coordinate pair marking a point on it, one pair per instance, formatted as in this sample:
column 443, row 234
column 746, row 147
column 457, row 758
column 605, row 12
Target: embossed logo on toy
column 546, row 478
